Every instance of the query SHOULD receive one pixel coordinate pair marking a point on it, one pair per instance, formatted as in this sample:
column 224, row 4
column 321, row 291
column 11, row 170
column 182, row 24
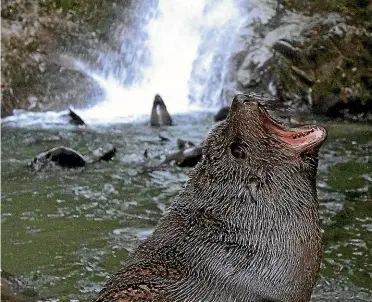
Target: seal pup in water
column 246, row 226
column 159, row 113
column 67, row 158
column 188, row 155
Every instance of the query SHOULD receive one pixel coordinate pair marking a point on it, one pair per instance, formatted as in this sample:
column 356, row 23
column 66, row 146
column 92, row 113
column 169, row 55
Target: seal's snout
column 158, row 100
column 241, row 98
column 244, row 99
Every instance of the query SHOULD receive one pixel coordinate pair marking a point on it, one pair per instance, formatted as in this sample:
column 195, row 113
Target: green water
column 66, row 231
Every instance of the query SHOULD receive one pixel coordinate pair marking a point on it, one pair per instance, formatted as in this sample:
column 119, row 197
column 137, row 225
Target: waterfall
column 178, row 49
column 186, row 45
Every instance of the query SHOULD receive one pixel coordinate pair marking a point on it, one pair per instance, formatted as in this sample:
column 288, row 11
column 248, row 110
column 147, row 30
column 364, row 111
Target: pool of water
column 66, row 231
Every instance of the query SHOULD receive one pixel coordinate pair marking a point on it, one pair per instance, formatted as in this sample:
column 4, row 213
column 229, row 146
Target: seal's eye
column 237, row 150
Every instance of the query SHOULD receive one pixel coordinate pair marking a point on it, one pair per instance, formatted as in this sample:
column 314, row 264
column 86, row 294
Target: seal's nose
column 245, row 99
column 241, row 98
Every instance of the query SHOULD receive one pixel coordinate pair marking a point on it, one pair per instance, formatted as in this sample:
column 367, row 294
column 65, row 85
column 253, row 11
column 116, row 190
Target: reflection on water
column 65, row 231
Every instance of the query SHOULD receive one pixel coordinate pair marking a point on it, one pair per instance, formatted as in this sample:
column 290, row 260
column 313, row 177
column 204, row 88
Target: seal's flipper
column 75, row 119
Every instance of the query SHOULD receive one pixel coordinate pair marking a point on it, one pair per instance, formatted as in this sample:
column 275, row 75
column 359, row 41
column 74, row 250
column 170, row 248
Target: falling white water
column 174, row 39
column 187, row 42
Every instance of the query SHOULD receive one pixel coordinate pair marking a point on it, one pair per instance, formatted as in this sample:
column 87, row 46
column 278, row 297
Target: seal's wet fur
column 159, row 113
column 245, row 228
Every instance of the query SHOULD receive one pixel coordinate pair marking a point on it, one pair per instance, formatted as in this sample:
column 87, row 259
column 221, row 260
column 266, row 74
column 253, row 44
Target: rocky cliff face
column 313, row 57
column 39, row 39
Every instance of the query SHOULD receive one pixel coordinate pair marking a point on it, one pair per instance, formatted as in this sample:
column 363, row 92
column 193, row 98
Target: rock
column 13, row 289
column 290, row 55
column 307, row 78
column 286, row 49
column 181, row 144
column 163, row 138
column 37, row 36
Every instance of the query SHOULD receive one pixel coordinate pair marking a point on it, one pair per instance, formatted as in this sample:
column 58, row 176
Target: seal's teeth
column 302, row 134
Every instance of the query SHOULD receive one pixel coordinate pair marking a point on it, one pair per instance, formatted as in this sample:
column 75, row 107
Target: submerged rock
column 13, row 289
column 181, row 144
column 286, row 49
column 163, row 138
column 40, row 44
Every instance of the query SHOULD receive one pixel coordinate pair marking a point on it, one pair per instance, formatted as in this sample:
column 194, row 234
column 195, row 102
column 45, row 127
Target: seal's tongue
column 303, row 138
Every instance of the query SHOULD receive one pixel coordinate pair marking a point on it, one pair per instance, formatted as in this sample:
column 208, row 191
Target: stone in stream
column 159, row 113
column 14, row 290
column 67, row 158
column 246, row 226
column 181, row 144
column 163, row 138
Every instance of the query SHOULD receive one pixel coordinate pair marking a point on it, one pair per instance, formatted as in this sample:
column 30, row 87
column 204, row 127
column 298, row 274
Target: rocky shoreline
column 313, row 61
column 39, row 40
column 314, row 58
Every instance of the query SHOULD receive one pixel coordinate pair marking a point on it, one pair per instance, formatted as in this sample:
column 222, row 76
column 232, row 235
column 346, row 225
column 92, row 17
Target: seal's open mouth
column 303, row 138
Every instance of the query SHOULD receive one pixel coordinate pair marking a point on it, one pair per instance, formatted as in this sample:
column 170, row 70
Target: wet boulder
column 182, row 144
column 13, row 289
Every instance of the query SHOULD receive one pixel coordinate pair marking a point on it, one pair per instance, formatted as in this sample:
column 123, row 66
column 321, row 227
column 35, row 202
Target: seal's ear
column 237, row 150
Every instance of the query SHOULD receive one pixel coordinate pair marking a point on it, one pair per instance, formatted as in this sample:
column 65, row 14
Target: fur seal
column 75, row 119
column 222, row 114
column 159, row 113
column 67, row 158
column 246, row 226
